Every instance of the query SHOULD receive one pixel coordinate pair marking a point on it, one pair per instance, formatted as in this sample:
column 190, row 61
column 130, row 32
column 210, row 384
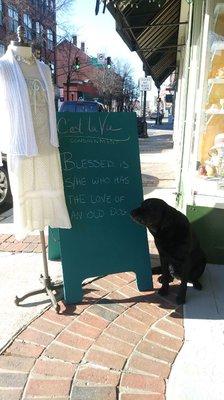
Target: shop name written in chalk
column 102, row 126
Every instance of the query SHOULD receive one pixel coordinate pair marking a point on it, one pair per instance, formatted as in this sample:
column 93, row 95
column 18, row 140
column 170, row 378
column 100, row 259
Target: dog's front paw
column 180, row 299
column 163, row 291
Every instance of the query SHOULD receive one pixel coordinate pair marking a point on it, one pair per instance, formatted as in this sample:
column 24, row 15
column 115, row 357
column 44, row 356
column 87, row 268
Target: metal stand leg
column 45, row 280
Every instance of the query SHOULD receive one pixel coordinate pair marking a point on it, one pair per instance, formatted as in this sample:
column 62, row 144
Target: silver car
column 5, row 192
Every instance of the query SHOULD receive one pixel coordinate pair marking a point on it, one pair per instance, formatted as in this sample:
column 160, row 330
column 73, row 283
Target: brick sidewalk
column 31, row 244
column 118, row 344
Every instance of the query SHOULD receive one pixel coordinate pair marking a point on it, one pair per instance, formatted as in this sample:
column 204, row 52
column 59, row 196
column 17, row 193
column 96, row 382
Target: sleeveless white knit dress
column 36, row 182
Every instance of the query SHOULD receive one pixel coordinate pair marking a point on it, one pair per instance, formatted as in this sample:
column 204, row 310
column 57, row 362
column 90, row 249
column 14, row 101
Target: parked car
column 5, row 191
column 154, row 115
column 81, row 106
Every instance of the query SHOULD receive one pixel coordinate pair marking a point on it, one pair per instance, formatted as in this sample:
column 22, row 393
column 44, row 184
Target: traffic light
column 108, row 62
column 77, row 63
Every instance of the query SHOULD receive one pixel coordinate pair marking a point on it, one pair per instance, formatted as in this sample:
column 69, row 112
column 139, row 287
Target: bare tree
column 43, row 5
column 129, row 90
column 108, row 84
column 117, row 84
column 62, row 5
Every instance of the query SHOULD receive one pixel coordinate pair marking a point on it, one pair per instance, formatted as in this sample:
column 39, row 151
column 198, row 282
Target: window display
column 210, row 171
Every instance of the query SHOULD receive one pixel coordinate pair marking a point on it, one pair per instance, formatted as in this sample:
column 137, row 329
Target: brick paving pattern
column 118, row 344
column 31, row 244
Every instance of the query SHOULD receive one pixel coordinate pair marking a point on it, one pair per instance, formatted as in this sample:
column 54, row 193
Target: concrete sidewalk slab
column 198, row 370
column 20, row 274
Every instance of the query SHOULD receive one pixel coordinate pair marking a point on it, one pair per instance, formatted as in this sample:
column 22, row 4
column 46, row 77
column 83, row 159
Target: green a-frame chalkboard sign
column 102, row 181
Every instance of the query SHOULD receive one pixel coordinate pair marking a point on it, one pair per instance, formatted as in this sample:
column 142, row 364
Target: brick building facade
column 75, row 81
column 39, row 20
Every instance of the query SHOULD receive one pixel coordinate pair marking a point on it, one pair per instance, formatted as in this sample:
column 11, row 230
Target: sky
column 100, row 36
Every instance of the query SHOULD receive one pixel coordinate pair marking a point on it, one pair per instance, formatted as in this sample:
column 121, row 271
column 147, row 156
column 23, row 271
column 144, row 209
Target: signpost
column 145, row 83
column 101, row 58
column 102, row 181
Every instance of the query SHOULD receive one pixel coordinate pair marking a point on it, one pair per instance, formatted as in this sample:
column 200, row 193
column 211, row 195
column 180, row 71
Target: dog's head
column 150, row 213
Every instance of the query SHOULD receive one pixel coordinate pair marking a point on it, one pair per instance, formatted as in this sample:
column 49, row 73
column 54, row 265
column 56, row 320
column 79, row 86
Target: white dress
column 36, row 182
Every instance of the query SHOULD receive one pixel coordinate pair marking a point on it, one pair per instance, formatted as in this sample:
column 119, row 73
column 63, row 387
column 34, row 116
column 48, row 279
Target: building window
column 1, row 13
column 42, row 5
column 39, row 31
column 35, row 3
column 2, row 50
column 52, row 67
column 50, row 4
column 28, row 26
column 50, row 39
column 13, row 18
column 39, row 5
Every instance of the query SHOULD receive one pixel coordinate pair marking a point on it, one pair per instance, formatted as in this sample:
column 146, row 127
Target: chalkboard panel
column 102, row 181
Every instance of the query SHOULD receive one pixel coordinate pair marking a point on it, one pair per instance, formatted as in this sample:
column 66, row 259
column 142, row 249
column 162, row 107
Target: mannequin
column 33, row 156
column 25, row 52
column 21, row 48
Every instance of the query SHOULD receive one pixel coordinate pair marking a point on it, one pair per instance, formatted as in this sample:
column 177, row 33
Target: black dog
column 178, row 247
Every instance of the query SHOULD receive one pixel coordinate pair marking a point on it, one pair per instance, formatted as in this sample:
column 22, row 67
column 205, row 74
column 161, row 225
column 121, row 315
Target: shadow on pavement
column 156, row 143
column 164, row 126
column 5, row 207
column 151, row 297
column 150, row 181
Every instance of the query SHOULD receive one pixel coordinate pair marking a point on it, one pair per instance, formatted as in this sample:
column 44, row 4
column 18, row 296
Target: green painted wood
column 208, row 224
column 102, row 181
column 54, row 251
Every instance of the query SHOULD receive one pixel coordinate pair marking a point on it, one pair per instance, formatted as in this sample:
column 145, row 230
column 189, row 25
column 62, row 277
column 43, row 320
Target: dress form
column 23, row 54
column 22, row 51
column 21, row 46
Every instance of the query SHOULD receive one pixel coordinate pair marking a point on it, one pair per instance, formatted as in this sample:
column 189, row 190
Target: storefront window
column 210, row 159
column 13, row 18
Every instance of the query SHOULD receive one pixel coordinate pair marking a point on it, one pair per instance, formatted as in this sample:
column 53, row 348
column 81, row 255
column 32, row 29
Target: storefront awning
column 151, row 29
